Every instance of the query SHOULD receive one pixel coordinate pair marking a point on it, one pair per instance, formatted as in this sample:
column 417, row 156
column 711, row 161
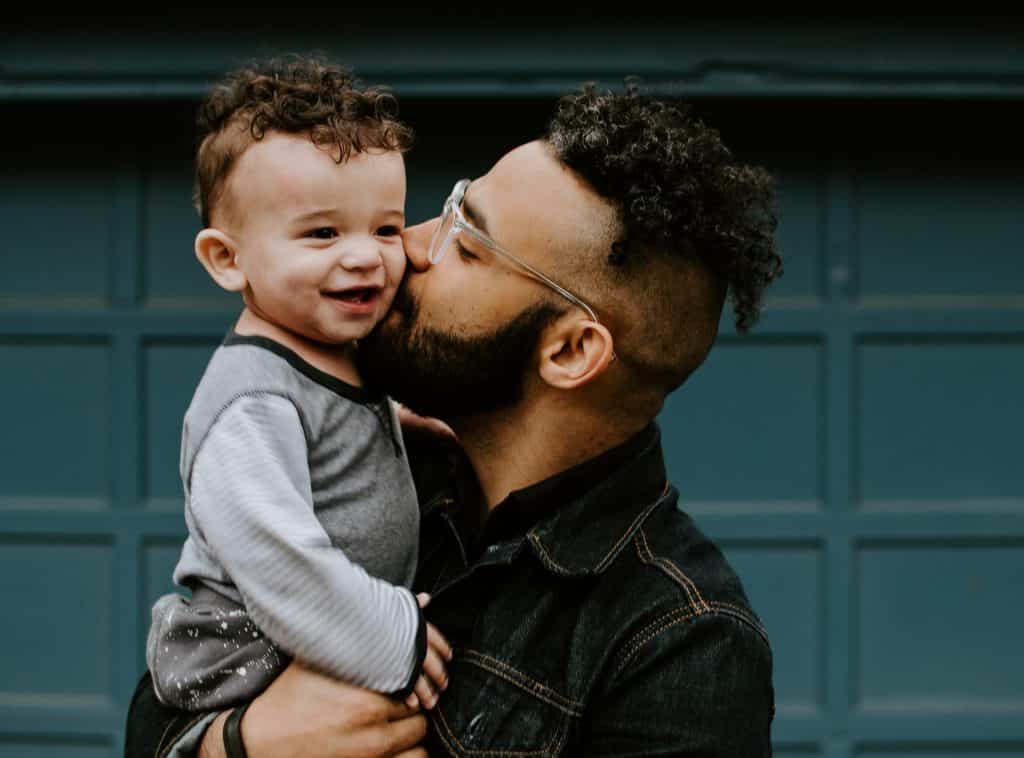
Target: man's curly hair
column 677, row 187
column 297, row 94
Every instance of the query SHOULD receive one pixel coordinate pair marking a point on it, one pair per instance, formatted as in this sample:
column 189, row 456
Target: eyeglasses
column 453, row 223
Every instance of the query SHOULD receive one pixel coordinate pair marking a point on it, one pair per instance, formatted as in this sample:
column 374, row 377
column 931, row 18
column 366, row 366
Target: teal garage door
column 858, row 455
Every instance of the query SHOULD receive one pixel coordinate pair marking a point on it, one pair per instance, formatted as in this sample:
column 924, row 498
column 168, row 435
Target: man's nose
column 417, row 243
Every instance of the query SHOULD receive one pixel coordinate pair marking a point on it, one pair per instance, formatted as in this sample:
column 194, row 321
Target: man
column 545, row 316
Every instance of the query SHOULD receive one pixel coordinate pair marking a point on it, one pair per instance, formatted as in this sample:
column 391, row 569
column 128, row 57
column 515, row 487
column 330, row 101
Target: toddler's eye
column 388, row 231
column 323, row 233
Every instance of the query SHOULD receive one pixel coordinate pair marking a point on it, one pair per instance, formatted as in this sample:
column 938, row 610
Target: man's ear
column 575, row 352
column 218, row 253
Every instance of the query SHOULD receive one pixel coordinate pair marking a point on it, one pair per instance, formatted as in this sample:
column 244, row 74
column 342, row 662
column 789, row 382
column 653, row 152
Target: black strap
column 233, row 745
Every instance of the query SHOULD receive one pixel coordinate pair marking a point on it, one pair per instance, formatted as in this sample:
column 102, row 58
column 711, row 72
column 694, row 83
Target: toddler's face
column 319, row 242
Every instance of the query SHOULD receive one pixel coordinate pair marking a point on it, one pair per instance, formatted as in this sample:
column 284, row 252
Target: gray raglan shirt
column 300, row 507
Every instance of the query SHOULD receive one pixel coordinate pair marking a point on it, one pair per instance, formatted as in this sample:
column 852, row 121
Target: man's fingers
column 397, row 710
column 414, row 422
column 441, row 429
column 423, row 599
column 406, row 734
column 382, row 740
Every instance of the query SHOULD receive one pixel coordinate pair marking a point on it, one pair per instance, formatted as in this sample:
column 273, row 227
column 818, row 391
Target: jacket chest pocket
column 492, row 710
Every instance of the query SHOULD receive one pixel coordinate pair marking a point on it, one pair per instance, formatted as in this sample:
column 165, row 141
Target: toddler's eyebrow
column 315, row 214
column 325, row 212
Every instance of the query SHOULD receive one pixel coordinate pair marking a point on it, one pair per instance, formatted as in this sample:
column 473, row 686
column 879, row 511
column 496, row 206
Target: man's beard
column 440, row 374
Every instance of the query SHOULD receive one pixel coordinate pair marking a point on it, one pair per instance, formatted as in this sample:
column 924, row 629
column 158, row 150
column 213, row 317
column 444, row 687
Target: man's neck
column 512, row 449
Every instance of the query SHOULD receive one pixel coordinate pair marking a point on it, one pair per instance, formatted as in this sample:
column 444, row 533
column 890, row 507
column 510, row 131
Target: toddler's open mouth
column 356, row 299
column 357, row 295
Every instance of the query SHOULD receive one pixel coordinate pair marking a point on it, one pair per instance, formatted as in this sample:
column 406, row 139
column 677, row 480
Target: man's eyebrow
column 475, row 215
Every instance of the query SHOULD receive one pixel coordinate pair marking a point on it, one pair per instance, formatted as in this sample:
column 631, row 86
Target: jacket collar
column 576, row 521
column 586, row 532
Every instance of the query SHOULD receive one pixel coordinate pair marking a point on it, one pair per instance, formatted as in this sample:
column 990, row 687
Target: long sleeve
column 250, row 497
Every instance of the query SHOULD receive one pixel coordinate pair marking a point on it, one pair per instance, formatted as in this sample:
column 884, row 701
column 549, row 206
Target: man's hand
column 304, row 713
column 413, row 422
column 434, row 679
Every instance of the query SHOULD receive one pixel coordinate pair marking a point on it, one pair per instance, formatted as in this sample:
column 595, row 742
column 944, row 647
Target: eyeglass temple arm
column 491, row 245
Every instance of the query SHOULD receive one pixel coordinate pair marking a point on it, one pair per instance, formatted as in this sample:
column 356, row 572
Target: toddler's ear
column 219, row 256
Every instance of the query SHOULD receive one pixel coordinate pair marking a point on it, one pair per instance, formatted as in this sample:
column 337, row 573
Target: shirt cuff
column 421, row 654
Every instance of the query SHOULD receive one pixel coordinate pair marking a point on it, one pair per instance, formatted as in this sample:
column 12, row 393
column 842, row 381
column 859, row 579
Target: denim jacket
column 590, row 617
